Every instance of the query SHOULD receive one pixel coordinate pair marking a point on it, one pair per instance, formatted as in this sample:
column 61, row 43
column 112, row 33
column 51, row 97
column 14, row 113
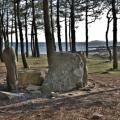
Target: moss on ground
column 96, row 64
column 35, row 63
column 101, row 65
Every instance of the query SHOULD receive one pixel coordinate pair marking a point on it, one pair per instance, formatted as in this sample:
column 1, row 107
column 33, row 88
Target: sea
column 80, row 46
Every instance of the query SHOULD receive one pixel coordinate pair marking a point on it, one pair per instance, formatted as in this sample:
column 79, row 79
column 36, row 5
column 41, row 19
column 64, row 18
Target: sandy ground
column 99, row 101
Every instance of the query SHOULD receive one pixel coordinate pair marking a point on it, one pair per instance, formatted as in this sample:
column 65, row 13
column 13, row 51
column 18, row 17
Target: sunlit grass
column 96, row 64
column 101, row 65
column 35, row 63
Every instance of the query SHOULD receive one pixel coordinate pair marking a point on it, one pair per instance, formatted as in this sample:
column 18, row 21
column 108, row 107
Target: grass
column 35, row 63
column 115, row 72
column 101, row 65
column 96, row 64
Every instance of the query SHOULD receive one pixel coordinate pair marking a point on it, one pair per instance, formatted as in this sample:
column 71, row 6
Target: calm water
column 80, row 46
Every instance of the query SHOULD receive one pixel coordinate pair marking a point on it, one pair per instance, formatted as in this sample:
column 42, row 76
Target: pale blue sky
column 96, row 31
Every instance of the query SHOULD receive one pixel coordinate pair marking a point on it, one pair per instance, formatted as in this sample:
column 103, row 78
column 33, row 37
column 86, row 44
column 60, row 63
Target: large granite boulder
column 66, row 73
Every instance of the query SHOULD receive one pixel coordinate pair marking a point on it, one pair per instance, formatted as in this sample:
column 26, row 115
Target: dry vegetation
column 100, row 100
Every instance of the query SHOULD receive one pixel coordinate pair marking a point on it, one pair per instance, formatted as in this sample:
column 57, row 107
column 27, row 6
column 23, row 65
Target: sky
column 96, row 31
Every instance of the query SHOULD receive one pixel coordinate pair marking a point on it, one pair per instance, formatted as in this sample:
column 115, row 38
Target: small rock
column 9, row 95
column 54, row 94
column 33, row 88
column 36, row 92
column 96, row 116
column 3, row 96
column 118, row 106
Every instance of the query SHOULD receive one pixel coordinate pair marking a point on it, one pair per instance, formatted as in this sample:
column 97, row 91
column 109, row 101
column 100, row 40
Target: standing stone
column 65, row 73
column 85, row 74
column 9, row 59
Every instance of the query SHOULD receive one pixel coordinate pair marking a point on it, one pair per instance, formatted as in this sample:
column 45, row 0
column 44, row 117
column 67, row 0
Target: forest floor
column 100, row 100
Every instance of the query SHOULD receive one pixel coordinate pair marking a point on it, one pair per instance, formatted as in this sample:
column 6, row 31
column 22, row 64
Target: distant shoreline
column 80, row 46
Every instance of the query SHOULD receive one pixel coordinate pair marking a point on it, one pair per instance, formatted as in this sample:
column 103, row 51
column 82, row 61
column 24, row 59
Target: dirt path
column 72, row 105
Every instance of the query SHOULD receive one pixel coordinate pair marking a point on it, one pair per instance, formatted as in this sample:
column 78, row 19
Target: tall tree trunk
column 48, row 34
column 66, row 38
column 115, row 59
column 1, row 49
column 86, row 26
column 21, row 36
column 26, row 32
column 73, row 26
column 52, row 23
column 12, row 32
column 1, row 38
column 7, row 36
column 4, row 33
column 33, row 41
column 70, row 41
column 106, row 35
column 16, row 33
column 36, row 42
column 32, row 37
column 58, row 27
column 35, row 30
column 1, row 45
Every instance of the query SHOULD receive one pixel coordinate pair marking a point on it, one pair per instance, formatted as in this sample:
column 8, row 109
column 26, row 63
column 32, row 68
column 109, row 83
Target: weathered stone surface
column 33, row 88
column 66, row 73
column 3, row 96
column 118, row 106
column 9, row 95
column 85, row 70
column 9, row 59
column 30, row 77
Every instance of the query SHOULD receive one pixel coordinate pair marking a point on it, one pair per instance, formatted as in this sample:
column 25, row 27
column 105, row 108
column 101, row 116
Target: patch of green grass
column 96, row 64
column 35, row 63
column 101, row 65
column 115, row 72
column 41, row 61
